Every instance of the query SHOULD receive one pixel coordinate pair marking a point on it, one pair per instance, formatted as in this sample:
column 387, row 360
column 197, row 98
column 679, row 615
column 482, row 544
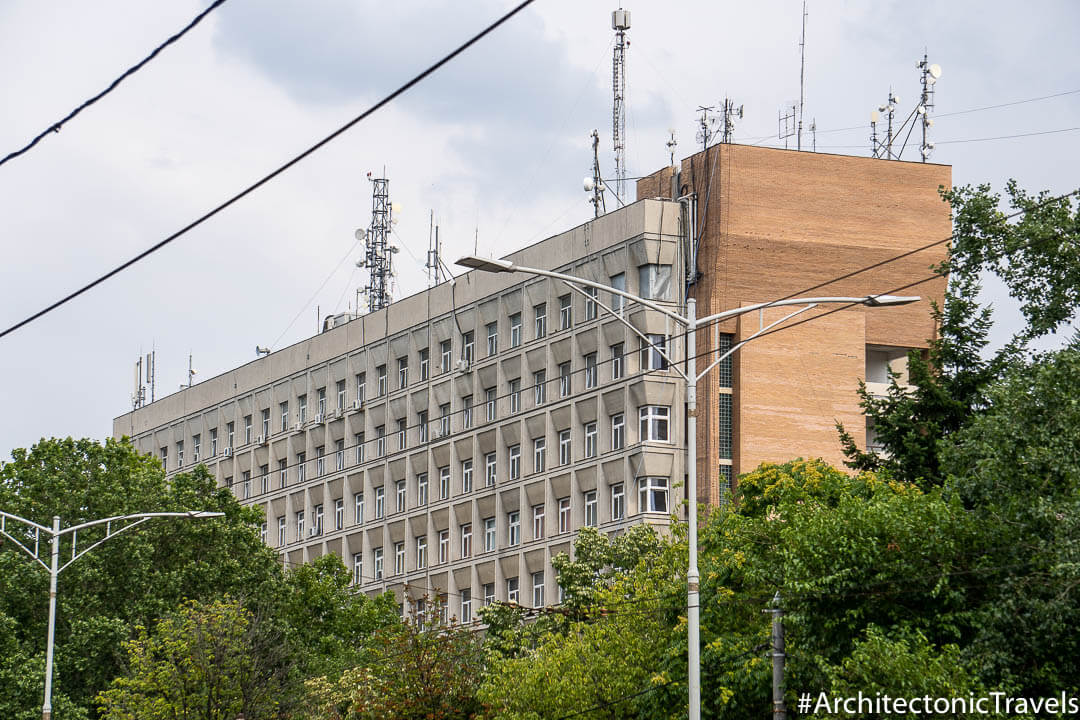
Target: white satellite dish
column 896, row 99
column 922, row 110
column 935, row 71
column 360, row 234
column 588, row 184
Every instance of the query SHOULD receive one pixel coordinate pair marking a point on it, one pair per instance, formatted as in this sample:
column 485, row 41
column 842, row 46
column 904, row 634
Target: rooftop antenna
column 706, row 126
column 379, row 253
column 620, row 23
column 802, row 76
column 191, row 372
column 813, row 133
column 730, row 113
column 874, row 146
column 138, row 397
column 786, row 123
column 434, row 265
column 151, row 361
column 671, row 145
column 930, row 74
column 595, row 184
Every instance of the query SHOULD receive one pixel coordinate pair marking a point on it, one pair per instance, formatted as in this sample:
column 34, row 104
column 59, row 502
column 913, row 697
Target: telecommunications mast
column 930, row 74
column 379, row 253
column 620, row 23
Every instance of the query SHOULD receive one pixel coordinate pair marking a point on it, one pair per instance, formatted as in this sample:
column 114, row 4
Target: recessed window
column 654, row 353
column 539, row 450
column 381, row 370
column 618, row 282
column 403, row 372
column 380, row 440
column 445, row 355
column 321, row 407
column 566, row 313
column 424, row 364
column 590, row 371
column 421, row 552
column 515, row 396
column 468, row 347
column 512, row 592
column 399, row 558
column 618, row 502
column 421, row 489
column 380, row 502
column 590, row 440
column 358, row 507
column 400, row 492
column 490, row 396
column 618, row 431
column 654, row 423
column 444, row 546
column 515, row 461
column 590, row 508
column 538, row 589
column 540, row 320
column 513, row 528
column 489, row 534
column 361, row 387
column 490, row 469
column 466, row 540
column 492, row 338
column 540, row 387
column 564, row 447
column 515, row 330
column 444, row 482
column 339, row 514
column 466, row 476
column 564, row 380
column 654, row 282
column 466, row 412
column 653, row 494
column 377, row 555
column 538, row 522
column 564, row 515
column 590, row 303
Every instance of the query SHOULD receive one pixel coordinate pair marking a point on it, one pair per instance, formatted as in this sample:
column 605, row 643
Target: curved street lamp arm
column 870, row 300
column 28, row 551
column 736, row 346
column 186, row 514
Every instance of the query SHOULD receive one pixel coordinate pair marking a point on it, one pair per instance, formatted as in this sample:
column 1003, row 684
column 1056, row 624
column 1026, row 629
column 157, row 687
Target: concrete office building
column 452, row 443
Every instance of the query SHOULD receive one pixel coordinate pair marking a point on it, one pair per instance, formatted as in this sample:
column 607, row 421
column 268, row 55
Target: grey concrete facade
column 454, row 442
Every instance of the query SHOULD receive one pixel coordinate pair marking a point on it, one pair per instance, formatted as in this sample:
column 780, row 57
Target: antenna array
column 730, row 113
column 434, row 264
column 379, row 253
column 138, row 398
column 786, row 123
column 620, row 23
column 885, row 148
column 707, row 125
column 595, row 184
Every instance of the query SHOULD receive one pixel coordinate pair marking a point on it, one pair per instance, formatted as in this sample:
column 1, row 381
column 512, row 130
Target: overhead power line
column 267, row 178
column 56, row 126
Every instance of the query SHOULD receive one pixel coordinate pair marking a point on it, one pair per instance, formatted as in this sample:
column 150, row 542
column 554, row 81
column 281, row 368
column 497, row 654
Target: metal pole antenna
column 46, row 708
column 693, row 611
column 802, row 74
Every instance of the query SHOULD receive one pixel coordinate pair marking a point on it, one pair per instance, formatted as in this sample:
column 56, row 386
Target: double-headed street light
column 691, row 376
column 33, row 531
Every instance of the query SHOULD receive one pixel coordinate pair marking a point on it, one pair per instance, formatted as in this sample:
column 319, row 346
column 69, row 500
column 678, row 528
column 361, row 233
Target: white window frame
column 539, row 454
column 539, row 387
column 590, row 508
column 566, row 312
column 492, row 338
column 618, row 501
column 565, row 382
column 538, row 589
column 565, row 447
column 590, row 439
column 591, row 376
column 422, row 489
column 618, row 431
column 538, row 521
column 513, row 528
column 491, row 468
column 444, row 546
column 515, row 461
column 358, row 508
column 489, row 534
column 466, row 540
column 466, row 475
column 653, row 494
column 654, row 423
column 540, row 320
column 377, row 555
column 421, row 552
column 380, row 502
column 444, row 482
column 564, row 515
column 590, row 303
column 399, row 558
column 515, row 396
column 401, row 492
column 515, row 330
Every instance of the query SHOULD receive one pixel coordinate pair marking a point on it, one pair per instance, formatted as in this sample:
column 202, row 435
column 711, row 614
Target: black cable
column 267, row 178
column 56, row 126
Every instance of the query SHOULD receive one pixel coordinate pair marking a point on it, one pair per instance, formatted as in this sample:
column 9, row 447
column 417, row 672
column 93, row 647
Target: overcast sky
column 495, row 144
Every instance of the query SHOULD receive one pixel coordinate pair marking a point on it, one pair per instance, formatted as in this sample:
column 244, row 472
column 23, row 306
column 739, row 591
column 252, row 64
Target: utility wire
column 56, row 126
column 282, row 168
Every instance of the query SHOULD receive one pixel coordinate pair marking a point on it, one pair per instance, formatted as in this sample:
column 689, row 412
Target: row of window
column 440, row 613
column 654, row 426
column 652, row 498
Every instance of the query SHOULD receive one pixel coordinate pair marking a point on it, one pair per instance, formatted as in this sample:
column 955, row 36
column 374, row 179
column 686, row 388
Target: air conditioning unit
column 228, row 451
column 318, row 418
column 357, row 404
column 314, row 532
column 261, row 440
column 340, row 412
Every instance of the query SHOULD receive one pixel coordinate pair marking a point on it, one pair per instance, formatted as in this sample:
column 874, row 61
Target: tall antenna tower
column 379, row 254
column 620, row 23
column 802, row 77
column 434, row 265
column 930, row 75
column 730, row 113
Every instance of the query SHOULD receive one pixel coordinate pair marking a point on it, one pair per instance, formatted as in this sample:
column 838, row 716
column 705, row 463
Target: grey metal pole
column 46, row 708
column 693, row 610
column 779, row 709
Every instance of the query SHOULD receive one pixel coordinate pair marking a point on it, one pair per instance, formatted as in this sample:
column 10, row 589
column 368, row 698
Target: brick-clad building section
column 779, row 222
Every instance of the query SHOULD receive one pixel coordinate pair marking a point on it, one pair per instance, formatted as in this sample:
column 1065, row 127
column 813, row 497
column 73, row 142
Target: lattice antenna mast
column 802, row 77
column 378, row 255
column 730, row 113
column 930, row 74
column 620, row 23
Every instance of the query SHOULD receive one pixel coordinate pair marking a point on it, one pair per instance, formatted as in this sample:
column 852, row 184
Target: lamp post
column 691, row 322
column 54, row 568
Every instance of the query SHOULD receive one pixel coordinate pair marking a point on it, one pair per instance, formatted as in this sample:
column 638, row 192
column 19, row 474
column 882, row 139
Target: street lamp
column 126, row 522
column 691, row 376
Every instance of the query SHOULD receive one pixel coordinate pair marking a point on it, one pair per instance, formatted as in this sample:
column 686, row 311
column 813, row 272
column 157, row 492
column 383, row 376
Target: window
column 322, row 402
column 421, row 489
column 489, row 534
column 358, row 438
column 652, row 494
column 401, row 428
column 318, row 525
column 281, row 530
column 466, row 412
column 590, row 303
column 468, row 347
column 444, row 420
column 341, row 395
column 399, row 558
column 358, row 507
column 564, row 380
column 724, row 417
column 196, row 445
column 262, row 533
column 165, row 458
column 590, row 440
column 466, row 605
column 213, row 432
column 618, row 502
column 301, row 414
column 230, row 430
column 489, row 402
column 380, row 441
column 654, row 282
column 590, row 371
column 283, row 473
column 653, row 353
column 490, row 468
column 380, row 502
column 515, row 396
column 377, row 554
column 339, row 514
column 402, row 372
column 301, row 467
column 654, row 423
column 339, row 455
column 247, row 484
column 564, row 515
column 539, row 449
column 266, row 423
column 466, row 540
column 264, row 476
column 361, row 387
column 590, row 508
column 540, row 317
column 444, row 545
column 381, row 370
column 424, row 364
column 422, row 425
column 320, row 461
column 538, row 522
column 513, row 525
column 492, row 338
column 489, row 593
column 466, row 476
column 538, row 589
column 564, row 447
column 618, row 282
column 357, row 568
column 446, row 355
column 299, row 525
column 229, row 482
column 618, row 434
column 515, row 330
column 515, row 462
column 566, row 313
column 421, row 552
column 444, row 482
column 512, row 589
column 400, row 492
column 283, row 407
column 540, row 386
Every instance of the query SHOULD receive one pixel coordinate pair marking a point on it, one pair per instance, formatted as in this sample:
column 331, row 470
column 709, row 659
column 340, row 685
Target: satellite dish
column 874, row 116
column 935, row 71
column 588, row 184
column 895, row 99
column 395, row 207
column 360, row 234
column 922, row 110
column 882, row 108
